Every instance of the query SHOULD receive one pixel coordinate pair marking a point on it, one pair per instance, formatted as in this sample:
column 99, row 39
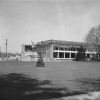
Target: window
column 61, row 55
column 55, row 54
column 93, row 55
column 77, row 49
column 88, row 55
column 72, row 55
column 73, row 49
column 69, row 49
column 67, row 55
column 55, row 47
column 66, row 49
column 61, row 48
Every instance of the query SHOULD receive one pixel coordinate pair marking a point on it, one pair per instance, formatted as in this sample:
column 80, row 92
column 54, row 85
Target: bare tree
column 93, row 37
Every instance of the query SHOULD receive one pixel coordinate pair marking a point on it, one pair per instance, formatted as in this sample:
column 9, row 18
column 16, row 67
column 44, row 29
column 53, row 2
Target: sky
column 23, row 21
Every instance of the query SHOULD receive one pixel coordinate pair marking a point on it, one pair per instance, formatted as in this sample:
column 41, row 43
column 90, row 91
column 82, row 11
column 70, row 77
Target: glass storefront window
column 55, row 54
column 61, row 55
column 72, row 55
column 67, row 55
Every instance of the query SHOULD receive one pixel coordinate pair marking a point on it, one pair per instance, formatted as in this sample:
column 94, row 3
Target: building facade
column 27, row 53
column 54, row 50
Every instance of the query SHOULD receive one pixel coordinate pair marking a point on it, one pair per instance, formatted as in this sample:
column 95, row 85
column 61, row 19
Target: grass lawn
column 25, row 81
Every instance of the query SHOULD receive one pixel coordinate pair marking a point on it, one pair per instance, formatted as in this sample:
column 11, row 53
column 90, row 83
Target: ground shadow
column 88, row 84
column 20, row 87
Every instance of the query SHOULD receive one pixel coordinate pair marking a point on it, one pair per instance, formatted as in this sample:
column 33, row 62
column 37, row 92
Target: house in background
column 57, row 50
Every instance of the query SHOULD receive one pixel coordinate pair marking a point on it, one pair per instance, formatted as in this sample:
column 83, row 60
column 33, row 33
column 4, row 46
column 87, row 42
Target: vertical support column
column 58, row 55
column 86, row 54
column 75, row 55
column 51, row 52
column 64, row 55
column 22, row 50
column 90, row 55
column 69, row 55
column 45, row 51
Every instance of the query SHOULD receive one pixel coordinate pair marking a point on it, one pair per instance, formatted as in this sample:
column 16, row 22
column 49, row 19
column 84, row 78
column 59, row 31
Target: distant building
column 54, row 50
column 28, row 54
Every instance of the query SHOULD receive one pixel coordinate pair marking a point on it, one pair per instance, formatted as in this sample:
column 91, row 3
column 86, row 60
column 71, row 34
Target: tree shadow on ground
column 88, row 84
column 20, row 87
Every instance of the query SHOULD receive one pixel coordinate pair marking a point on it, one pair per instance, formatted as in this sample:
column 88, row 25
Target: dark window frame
column 61, row 54
column 55, row 54
column 67, row 55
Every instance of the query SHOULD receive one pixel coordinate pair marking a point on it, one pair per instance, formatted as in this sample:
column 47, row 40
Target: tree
column 93, row 38
column 80, row 56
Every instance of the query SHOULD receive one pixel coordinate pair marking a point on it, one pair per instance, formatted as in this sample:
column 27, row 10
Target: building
column 54, row 50
column 27, row 53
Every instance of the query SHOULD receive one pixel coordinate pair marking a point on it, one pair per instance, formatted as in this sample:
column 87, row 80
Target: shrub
column 40, row 62
column 96, row 57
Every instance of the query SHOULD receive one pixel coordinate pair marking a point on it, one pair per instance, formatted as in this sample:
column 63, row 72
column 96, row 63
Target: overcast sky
column 24, row 20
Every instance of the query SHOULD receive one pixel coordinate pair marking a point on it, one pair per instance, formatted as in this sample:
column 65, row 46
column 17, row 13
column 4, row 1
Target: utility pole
column 0, row 49
column 0, row 52
column 6, row 48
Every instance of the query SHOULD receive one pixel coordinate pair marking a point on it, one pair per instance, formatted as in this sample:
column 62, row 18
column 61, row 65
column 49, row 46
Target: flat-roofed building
column 28, row 54
column 52, row 50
